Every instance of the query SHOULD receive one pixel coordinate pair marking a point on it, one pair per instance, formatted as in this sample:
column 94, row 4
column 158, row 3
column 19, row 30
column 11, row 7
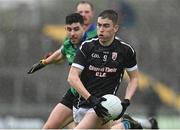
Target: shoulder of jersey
column 66, row 42
column 124, row 44
column 91, row 40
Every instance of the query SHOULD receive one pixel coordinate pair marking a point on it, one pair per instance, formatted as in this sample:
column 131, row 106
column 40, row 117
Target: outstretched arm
column 54, row 58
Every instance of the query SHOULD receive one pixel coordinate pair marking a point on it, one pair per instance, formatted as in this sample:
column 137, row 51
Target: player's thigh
column 60, row 116
column 68, row 99
column 116, row 121
column 118, row 125
column 71, row 125
column 90, row 121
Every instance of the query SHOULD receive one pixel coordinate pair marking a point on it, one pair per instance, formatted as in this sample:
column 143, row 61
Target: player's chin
column 74, row 41
column 102, row 39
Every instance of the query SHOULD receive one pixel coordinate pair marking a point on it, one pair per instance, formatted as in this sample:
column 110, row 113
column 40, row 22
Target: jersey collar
column 84, row 37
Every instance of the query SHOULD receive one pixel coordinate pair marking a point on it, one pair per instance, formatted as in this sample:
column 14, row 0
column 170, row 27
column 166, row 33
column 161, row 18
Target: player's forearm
column 131, row 88
column 75, row 82
column 54, row 58
column 133, row 83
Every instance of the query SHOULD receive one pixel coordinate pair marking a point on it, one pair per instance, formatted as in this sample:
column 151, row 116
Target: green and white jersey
column 69, row 51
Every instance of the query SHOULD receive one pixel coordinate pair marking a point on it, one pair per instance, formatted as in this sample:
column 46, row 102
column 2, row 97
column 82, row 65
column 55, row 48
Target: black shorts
column 68, row 99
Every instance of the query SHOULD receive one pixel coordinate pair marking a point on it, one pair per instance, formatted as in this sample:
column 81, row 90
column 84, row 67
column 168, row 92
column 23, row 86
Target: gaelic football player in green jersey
column 62, row 113
column 56, row 119
column 86, row 9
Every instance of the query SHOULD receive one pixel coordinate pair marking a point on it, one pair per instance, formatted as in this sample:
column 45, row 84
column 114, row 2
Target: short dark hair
column 74, row 18
column 110, row 14
column 85, row 2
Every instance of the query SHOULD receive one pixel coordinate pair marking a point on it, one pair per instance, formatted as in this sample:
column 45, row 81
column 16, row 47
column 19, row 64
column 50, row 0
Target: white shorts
column 79, row 113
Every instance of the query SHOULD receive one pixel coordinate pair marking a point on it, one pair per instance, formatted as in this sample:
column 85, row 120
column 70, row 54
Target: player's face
column 106, row 30
column 74, row 32
column 86, row 11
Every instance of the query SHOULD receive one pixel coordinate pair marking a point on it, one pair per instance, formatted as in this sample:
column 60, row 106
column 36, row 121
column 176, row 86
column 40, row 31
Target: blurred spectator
column 126, row 12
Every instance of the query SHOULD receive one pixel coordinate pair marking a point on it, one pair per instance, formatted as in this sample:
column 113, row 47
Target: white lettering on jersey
column 105, row 58
column 102, row 72
column 107, row 69
column 95, row 55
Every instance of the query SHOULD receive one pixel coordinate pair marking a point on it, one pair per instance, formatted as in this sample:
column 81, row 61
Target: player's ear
column 116, row 28
column 65, row 28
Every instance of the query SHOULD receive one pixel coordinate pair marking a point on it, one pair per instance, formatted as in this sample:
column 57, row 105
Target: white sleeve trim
column 132, row 68
column 60, row 48
column 78, row 66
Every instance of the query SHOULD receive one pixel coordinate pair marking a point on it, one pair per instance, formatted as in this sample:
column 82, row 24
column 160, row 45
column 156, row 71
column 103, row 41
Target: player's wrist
column 43, row 62
column 126, row 102
column 90, row 99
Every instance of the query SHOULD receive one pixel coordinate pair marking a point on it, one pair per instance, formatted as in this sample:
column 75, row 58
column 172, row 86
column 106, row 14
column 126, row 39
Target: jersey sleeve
column 81, row 57
column 131, row 62
column 62, row 50
column 64, row 46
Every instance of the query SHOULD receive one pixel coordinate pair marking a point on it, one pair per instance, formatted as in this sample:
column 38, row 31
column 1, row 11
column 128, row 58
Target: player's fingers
column 104, row 121
column 103, row 99
column 105, row 113
column 31, row 71
column 103, row 108
column 102, row 112
column 98, row 113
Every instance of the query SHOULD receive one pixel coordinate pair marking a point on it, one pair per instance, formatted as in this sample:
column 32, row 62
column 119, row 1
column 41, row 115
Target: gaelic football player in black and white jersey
column 98, row 69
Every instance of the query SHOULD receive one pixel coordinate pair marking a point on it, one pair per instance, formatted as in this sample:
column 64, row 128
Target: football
column 113, row 105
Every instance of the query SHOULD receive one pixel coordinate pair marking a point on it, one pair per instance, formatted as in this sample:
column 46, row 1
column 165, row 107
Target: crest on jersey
column 114, row 55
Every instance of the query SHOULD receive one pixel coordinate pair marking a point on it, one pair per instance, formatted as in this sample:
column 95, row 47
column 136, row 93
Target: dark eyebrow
column 76, row 27
column 105, row 24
